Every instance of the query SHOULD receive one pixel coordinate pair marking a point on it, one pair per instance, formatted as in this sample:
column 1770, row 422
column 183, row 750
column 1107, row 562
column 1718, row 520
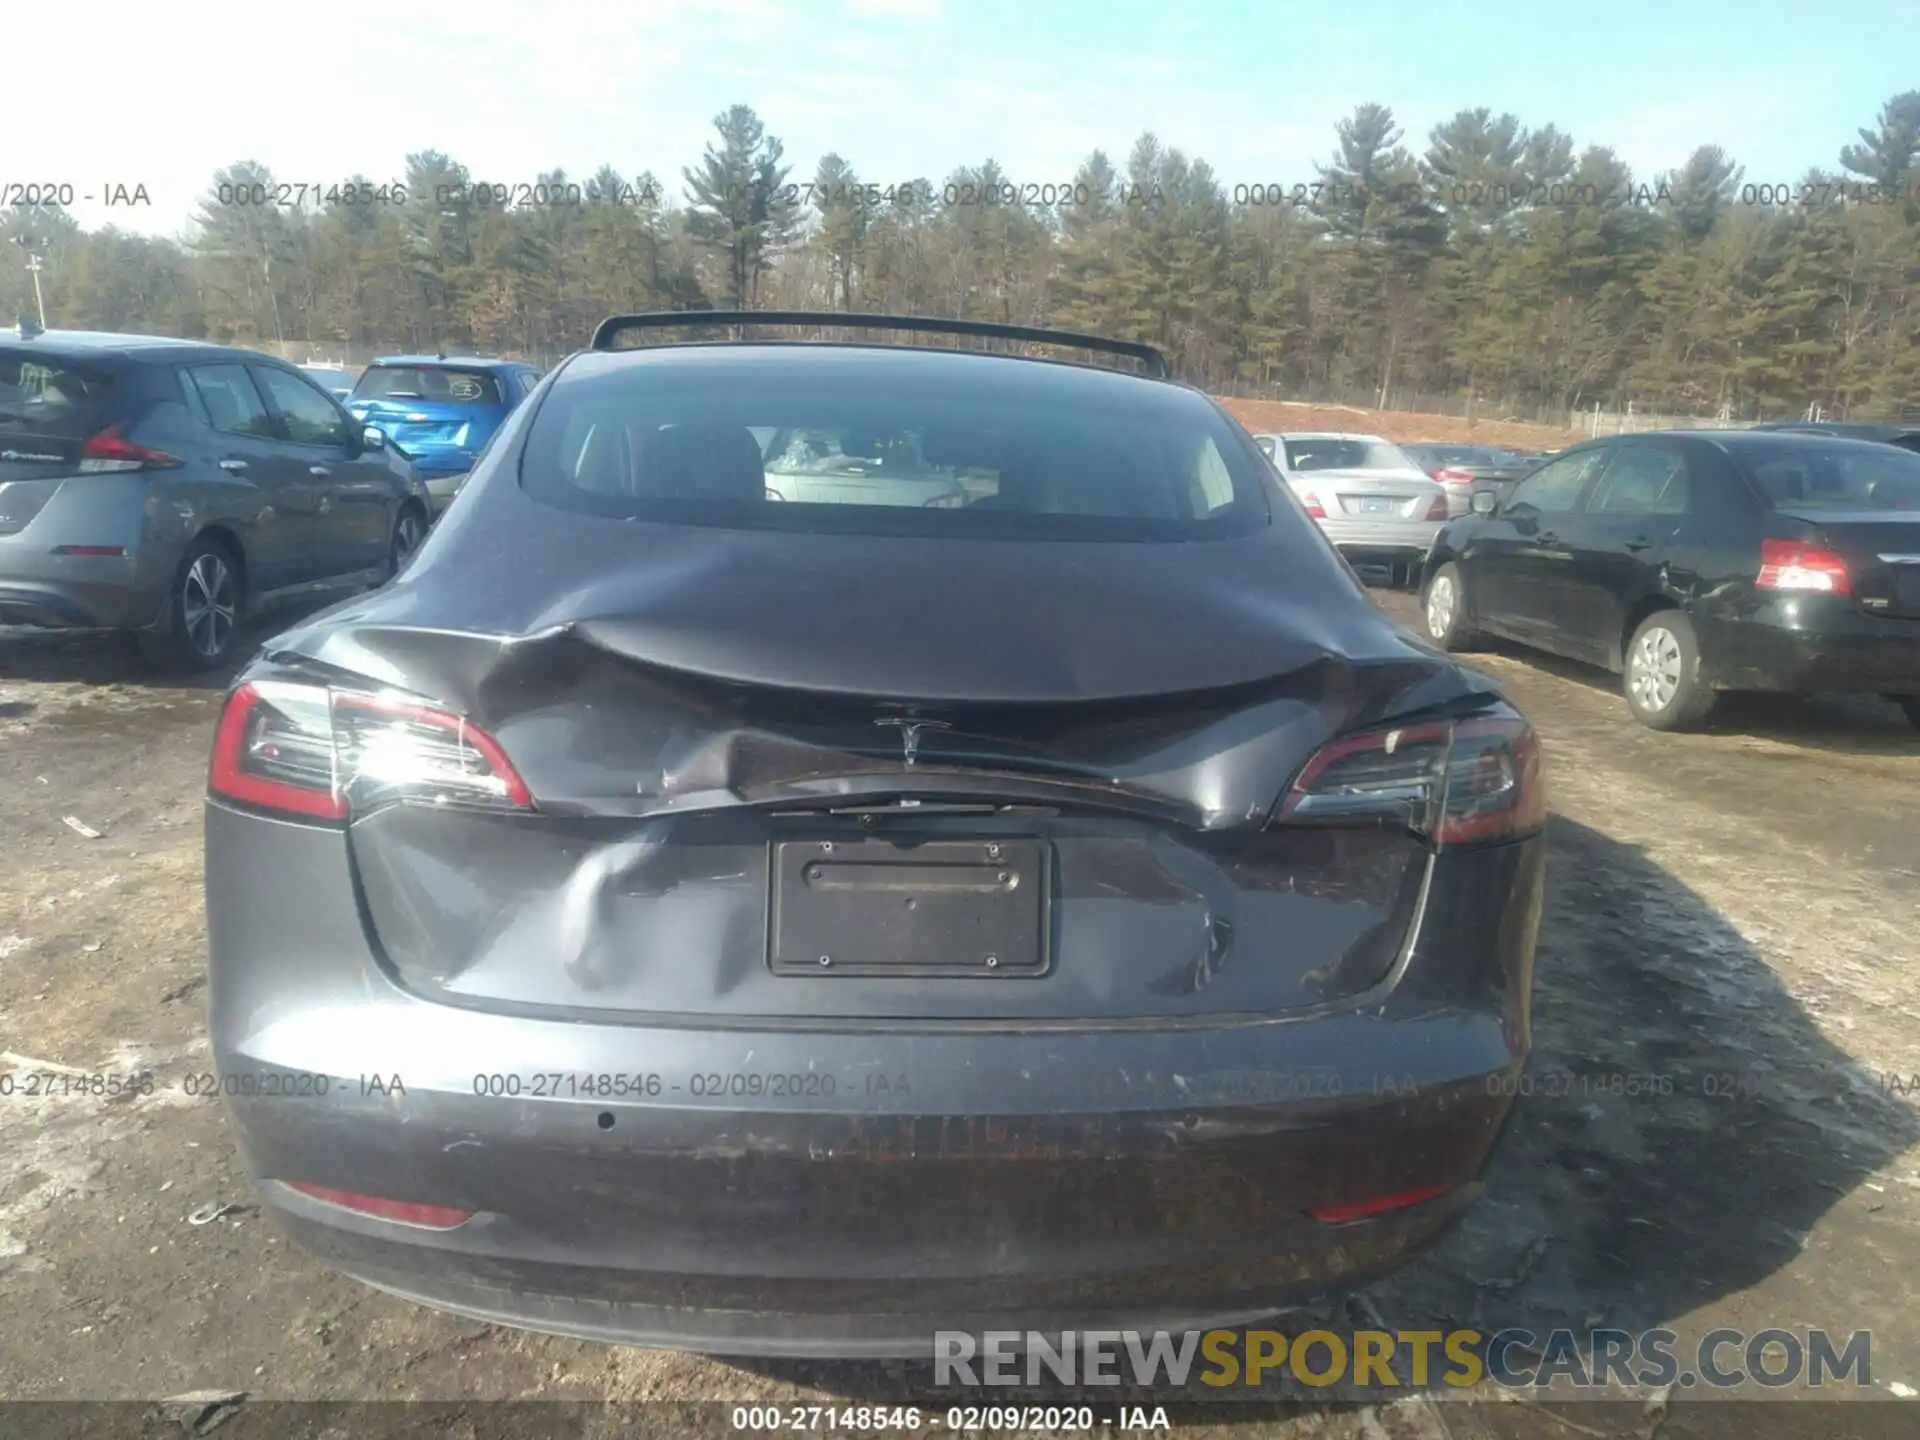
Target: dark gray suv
column 174, row 488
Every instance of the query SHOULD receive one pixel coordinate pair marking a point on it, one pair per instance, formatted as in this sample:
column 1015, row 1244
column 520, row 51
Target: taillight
column 1314, row 508
column 110, row 450
column 1376, row 1205
column 1454, row 781
column 1789, row 565
column 1438, row 509
column 403, row 1212
column 1451, row 476
column 309, row 750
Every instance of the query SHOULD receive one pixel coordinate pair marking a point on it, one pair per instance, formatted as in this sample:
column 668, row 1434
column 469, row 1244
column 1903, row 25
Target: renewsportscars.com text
column 1512, row 1358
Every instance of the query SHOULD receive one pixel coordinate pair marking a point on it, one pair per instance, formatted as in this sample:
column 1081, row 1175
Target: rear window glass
column 435, row 383
column 793, row 452
column 1345, row 455
column 1461, row 454
column 40, row 395
column 1837, row 476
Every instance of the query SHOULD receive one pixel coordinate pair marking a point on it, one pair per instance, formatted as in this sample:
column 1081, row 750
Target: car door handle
column 318, row 470
column 1636, row 546
column 233, row 467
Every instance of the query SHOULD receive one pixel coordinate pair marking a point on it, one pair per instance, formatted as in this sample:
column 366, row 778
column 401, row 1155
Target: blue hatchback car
column 441, row 410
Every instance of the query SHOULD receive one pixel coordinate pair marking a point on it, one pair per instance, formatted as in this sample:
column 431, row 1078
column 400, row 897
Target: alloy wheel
column 1440, row 607
column 406, row 538
column 209, row 605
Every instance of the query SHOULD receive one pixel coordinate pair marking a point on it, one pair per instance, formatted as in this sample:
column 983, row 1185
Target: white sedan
column 815, row 466
column 1373, row 502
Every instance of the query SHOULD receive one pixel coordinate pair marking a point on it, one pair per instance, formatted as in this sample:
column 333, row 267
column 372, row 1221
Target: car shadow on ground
column 1684, row 1125
column 115, row 657
column 1845, row 724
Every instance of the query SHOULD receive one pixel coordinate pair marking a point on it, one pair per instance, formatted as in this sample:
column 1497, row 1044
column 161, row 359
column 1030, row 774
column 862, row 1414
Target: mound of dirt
column 1282, row 415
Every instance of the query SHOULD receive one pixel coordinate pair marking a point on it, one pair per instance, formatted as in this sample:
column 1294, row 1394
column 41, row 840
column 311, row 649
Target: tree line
column 1500, row 264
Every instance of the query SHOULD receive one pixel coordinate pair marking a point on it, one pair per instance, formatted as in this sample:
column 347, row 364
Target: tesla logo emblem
column 910, row 732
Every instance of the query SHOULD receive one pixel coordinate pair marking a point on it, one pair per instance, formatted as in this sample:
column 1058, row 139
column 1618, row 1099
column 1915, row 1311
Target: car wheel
column 1662, row 679
column 1911, row 705
column 204, row 608
column 409, row 529
column 1445, row 608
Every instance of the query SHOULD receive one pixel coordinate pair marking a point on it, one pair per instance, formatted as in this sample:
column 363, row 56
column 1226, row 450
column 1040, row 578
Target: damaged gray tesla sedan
column 675, row 915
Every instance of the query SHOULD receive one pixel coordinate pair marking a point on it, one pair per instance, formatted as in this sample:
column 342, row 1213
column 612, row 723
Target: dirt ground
column 1282, row 415
column 1736, row 911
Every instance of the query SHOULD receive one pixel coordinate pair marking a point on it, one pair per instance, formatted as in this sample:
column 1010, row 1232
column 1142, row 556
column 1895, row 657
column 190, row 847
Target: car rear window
column 816, row 452
column 1837, row 475
column 442, row 384
column 1461, row 454
column 1345, row 455
column 52, row 397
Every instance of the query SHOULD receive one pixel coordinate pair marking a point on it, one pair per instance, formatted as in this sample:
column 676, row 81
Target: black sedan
column 669, row 916
column 1697, row 562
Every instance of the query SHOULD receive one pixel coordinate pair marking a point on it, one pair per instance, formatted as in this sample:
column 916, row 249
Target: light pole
column 25, row 242
column 39, row 300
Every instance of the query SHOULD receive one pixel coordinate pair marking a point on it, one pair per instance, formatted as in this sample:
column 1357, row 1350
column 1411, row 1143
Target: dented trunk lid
column 683, row 710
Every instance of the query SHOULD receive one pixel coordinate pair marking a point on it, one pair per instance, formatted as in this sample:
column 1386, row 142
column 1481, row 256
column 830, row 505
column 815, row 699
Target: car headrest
column 605, row 466
column 702, row 462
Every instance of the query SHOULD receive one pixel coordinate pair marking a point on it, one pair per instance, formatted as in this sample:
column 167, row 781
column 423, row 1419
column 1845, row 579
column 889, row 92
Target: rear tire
column 205, row 606
column 1661, row 678
column 1444, row 607
column 409, row 529
column 1910, row 704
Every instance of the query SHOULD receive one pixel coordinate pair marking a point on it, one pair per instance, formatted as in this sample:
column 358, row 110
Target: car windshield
column 1345, row 454
column 437, row 383
column 1838, row 475
column 44, row 396
column 799, row 453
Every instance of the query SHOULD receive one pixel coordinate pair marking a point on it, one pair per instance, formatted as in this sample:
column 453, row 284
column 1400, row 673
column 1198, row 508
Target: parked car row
column 173, row 488
column 1696, row 563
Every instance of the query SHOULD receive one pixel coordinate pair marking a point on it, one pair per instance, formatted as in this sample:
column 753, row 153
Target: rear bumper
column 1810, row 644
column 62, row 592
column 41, row 587
column 490, row 1275
column 441, row 488
column 809, row 1189
column 1407, row 539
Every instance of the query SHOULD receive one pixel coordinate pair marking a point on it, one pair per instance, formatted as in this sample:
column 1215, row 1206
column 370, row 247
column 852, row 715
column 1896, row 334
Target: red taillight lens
column 96, row 550
column 1453, row 477
column 308, row 750
column 109, row 451
column 1314, row 507
column 405, row 1212
column 1376, row 1205
column 1455, row 781
column 1438, row 509
column 1789, row 565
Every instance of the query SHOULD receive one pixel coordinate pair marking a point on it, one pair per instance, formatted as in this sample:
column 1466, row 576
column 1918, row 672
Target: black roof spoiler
column 1152, row 361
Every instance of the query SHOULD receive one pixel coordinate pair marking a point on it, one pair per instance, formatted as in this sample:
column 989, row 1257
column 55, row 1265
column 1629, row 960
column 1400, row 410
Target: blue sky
column 905, row 88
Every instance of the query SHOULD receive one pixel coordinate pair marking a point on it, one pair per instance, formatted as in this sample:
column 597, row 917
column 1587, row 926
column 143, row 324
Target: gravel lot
column 1738, row 912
